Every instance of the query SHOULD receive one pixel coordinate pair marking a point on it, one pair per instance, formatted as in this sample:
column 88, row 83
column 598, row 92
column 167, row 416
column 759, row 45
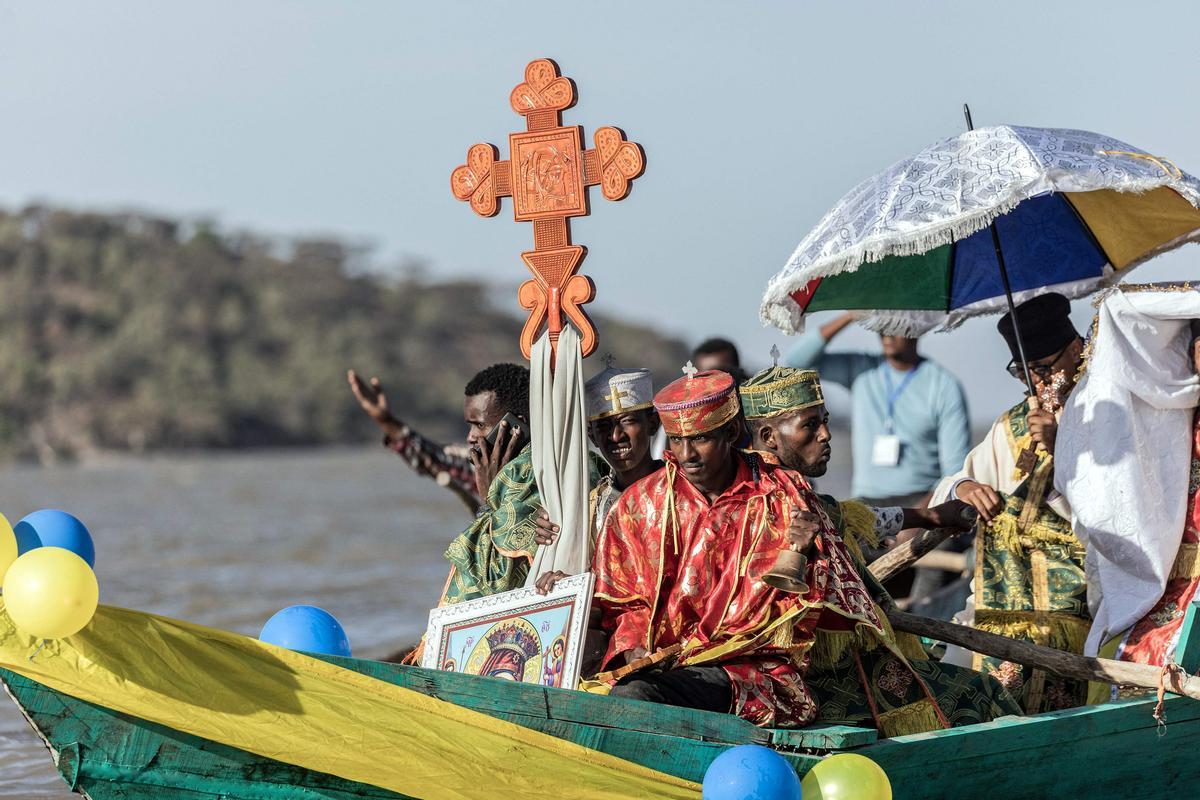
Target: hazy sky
column 295, row 118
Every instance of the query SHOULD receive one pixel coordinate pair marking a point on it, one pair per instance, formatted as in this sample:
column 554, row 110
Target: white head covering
column 617, row 390
column 1123, row 451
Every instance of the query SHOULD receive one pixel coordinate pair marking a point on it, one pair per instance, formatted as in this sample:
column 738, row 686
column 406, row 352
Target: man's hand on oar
column 983, row 498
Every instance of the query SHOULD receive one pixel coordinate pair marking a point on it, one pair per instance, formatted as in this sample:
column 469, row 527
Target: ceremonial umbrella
column 933, row 239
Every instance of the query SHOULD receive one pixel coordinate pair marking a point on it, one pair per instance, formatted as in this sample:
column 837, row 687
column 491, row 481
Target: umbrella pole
column 1007, row 288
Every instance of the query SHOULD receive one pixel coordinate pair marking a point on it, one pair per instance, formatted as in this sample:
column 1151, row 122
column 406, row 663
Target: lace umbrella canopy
column 1074, row 211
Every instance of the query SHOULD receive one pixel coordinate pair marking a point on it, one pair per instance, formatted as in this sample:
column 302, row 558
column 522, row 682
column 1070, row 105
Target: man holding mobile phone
column 494, row 553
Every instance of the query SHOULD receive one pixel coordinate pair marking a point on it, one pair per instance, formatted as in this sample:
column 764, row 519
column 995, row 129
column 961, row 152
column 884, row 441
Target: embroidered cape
column 493, row 555
column 671, row 568
column 1029, row 577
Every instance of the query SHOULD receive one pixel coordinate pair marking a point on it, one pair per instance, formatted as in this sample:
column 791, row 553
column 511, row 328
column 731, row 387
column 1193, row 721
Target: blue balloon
column 53, row 528
column 750, row 772
column 306, row 628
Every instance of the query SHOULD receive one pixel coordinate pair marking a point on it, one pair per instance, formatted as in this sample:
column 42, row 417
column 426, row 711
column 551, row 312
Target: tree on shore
column 131, row 332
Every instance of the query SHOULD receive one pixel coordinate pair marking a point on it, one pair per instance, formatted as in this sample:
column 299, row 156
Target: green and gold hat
column 778, row 390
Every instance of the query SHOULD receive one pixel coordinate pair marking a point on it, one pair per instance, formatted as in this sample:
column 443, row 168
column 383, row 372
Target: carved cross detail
column 547, row 176
column 615, row 398
column 689, row 370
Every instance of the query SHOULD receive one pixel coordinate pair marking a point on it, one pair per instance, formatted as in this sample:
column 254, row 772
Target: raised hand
column 372, row 399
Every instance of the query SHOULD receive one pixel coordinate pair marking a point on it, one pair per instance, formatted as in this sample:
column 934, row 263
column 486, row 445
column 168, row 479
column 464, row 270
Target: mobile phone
column 514, row 423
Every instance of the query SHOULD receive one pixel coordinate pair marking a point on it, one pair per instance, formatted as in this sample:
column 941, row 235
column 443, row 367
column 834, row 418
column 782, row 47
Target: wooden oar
column 904, row 555
column 1068, row 665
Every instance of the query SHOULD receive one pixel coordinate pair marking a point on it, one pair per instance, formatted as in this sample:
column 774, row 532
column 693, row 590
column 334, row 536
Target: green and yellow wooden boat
column 138, row 706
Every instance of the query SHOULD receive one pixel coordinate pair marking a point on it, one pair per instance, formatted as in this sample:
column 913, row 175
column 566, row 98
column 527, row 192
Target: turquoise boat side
column 1102, row 750
column 1115, row 749
column 112, row 755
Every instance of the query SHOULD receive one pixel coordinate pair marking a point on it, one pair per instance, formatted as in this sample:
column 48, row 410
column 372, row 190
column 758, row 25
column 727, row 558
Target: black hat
column 1045, row 326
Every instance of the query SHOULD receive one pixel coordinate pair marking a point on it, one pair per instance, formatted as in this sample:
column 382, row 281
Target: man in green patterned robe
column 494, row 553
column 1029, row 567
column 855, row 682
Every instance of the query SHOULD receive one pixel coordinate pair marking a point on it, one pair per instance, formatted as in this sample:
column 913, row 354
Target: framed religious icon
column 518, row 636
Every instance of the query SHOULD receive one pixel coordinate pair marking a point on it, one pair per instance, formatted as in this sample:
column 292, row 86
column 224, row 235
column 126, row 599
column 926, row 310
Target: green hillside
column 130, row 332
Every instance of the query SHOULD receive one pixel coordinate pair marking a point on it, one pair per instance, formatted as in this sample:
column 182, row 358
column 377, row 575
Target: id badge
column 886, row 452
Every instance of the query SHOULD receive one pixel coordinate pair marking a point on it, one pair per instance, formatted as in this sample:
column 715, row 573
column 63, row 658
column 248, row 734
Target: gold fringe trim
column 1064, row 632
column 858, row 527
column 784, row 637
column 1007, row 534
column 830, row 646
column 1187, row 562
column 910, row 647
column 918, row 717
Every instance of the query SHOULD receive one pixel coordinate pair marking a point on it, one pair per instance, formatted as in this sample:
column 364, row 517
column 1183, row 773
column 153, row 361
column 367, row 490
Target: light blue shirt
column 929, row 416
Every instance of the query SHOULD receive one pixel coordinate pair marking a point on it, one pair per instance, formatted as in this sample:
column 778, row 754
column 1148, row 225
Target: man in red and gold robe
column 680, row 561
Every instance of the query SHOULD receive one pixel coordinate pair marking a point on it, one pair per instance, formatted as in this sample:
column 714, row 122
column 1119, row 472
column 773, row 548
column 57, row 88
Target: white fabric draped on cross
column 560, row 453
column 1123, row 453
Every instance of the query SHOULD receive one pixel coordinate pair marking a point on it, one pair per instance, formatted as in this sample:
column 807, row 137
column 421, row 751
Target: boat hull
column 1105, row 750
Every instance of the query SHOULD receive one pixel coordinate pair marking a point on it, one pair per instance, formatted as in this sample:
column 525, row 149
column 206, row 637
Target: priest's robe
column 1029, row 579
column 494, row 553
column 874, row 686
column 673, row 569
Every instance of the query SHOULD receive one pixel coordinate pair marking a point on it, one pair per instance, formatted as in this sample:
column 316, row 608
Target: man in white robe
column 1029, row 581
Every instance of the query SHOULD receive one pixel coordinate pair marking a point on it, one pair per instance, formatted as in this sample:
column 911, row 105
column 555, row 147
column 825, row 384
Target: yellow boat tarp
column 292, row 708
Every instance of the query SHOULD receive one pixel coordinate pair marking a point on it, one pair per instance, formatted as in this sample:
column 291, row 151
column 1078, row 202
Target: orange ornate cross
column 547, row 176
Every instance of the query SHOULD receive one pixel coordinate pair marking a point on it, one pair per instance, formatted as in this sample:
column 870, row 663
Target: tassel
column 858, row 527
column 830, row 646
column 918, row 717
column 784, row 637
column 1064, row 632
column 1005, row 534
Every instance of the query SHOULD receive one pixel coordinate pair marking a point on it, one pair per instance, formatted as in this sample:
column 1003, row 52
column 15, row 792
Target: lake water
column 228, row 540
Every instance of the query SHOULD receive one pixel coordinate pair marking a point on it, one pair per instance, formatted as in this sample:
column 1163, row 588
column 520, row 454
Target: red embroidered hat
column 698, row 403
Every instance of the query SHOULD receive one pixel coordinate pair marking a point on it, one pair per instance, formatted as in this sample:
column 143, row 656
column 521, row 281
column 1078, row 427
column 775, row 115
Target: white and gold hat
column 617, row 390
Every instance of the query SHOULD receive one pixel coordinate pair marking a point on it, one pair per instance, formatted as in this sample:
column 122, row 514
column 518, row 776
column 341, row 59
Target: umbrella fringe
column 779, row 309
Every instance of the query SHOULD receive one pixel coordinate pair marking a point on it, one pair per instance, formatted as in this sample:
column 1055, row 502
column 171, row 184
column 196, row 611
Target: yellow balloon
column 50, row 593
column 846, row 776
column 8, row 546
